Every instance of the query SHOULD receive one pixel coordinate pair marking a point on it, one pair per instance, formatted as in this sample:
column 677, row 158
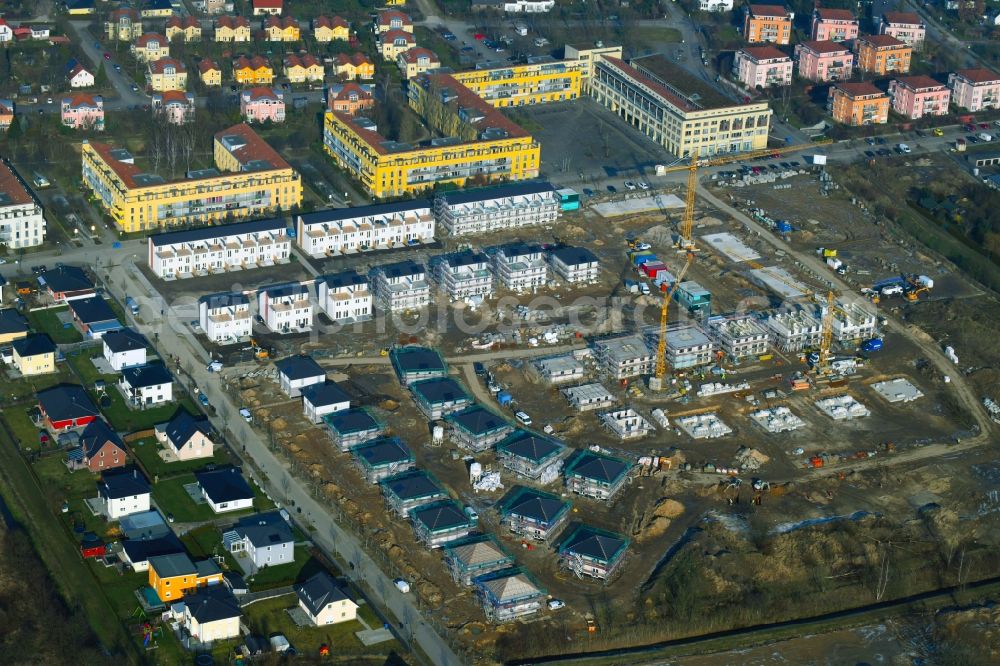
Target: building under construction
column 739, row 336
column 509, row 594
column 624, row 356
column 853, row 321
column 597, row 475
column 793, row 329
column 533, row 514
column 688, row 346
column 589, row 551
column 476, row 556
column 532, row 456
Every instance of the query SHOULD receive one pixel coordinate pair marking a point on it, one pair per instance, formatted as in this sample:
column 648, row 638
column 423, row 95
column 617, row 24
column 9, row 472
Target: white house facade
column 225, row 317
column 345, row 297
column 219, row 248
column 487, row 209
column 286, row 308
column 345, row 231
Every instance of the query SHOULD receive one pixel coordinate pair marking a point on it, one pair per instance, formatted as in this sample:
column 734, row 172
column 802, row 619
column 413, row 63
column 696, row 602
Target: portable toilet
column 504, row 398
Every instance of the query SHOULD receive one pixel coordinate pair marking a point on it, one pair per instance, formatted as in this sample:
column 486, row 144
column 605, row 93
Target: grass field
column 296, row 571
column 132, row 420
column 47, row 321
column 270, row 616
column 84, row 368
column 171, row 497
column 22, row 428
column 147, row 451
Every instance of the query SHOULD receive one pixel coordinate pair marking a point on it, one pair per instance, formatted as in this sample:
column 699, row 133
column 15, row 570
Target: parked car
column 643, row 185
column 107, row 56
column 479, row 369
column 629, row 185
column 556, row 604
column 401, row 585
column 612, row 189
column 245, row 413
column 940, row 132
column 203, row 399
column 471, row 513
column 639, row 247
column 522, row 418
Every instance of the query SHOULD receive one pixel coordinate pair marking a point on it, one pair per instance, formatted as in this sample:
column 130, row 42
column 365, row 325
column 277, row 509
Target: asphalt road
column 121, row 83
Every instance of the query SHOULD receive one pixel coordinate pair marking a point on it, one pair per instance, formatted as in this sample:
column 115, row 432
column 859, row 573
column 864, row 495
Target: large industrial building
column 250, row 179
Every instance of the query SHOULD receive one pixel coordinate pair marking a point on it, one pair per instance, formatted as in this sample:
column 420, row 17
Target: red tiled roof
column 12, row 186
column 394, row 34
column 144, row 39
column 328, row 22
column 827, row 14
column 255, row 148
column 157, row 66
column 261, row 93
column 174, row 96
column 660, row 90
column 881, row 41
column 186, row 22
column 346, row 90
column 904, row 18
column 307, row 60
column 253, row 63
column 83, row 99
column 232, row 22
column 414, row 54
column 206, row 64
column 919, row 82
column 764, row 52
column 824, row 46
column 124, row 11
column 355, row 59
column 978, row 75
column 385, row 18
column 280, row 22
column 468, row 99
column 768, row 10
column 76, row 70
column 858, row 89
column 268, row 4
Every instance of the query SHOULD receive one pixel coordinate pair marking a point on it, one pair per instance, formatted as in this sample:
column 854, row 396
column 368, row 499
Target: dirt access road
column 961, row 388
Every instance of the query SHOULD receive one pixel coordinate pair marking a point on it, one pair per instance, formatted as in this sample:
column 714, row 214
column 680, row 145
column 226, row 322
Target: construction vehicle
column 259, row 353
column 656, row 383
column 915, row 285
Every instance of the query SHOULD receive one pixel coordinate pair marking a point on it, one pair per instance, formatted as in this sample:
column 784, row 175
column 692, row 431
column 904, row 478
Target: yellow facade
column 282, row 34
column 81, row 11
column 189, row 34
column 7, row 338
column 521, row 85
column 157, row 13
column 123, row 29
column 37, row 364
column 152, row 51
column 138, row 201
column 211, row 77
column 164, row 78
column 250, row 76
column 388, row 174
column 238, row 34
column 324, row 34
column 300, row 74
column 351, row 71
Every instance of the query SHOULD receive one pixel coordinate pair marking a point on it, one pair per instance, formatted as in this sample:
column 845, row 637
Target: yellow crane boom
column 661, row 351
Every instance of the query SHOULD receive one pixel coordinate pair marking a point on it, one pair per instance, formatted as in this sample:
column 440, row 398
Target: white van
column 903, row 148
column 983, row 136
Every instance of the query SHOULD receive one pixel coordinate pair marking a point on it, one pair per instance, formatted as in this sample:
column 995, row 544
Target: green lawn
column 131, row 420
column 147, row 451
column 47, row 321
column 269, row 617
column 171, row 497
column 82, row 364
column 301, row 568
column 21, row 426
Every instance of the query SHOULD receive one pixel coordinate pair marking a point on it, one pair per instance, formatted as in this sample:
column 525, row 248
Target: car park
column 880, row 141
column 869, row 154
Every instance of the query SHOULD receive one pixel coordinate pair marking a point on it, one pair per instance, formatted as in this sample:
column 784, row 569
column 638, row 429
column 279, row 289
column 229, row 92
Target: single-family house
column 13, row 326
column 416, row 61
column 267, row 7
column 100, row 449
column 324, row 602
column 174, row 576
column 413, row 364
column 210, row 72
column 66, row 283
column 382, row 457
column 441, row 522
column 330, row 28
column 83, row 111
column 281, row 29
column 324, row 398
column 596, row 475
column 439, row 397
column 225, row 489
column 151, row 46
column 66, row 406
column 186, row 437
column 124, row 24
column 302, row 68
column 354, row 66
column 349, row 97
column 259, row 541
column 174, row 106
column 124, row 349
column 34, row 355
column 187, row 29
column 405, row 492
column 394, row 42
column 254, row 71
column 166, row 74
column 79, row 76
column 477, row 428
column 136, row 552
column 147, row 385
column 122, row 493
column 6, row 31
column 352, row 427
column 211, row 614
column 531, row 455
column 533, row 514
column 260, row 105
column 589, row 551
column 509, row 594
column 297, row 372
column 391, row 19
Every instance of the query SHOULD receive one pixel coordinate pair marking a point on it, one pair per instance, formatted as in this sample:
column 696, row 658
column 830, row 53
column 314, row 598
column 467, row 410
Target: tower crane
column 661, row 351
column 685, row 242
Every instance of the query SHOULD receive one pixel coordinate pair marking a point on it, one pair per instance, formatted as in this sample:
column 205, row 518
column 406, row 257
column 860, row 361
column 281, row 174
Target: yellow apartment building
column 250, row 179
column 211, row 74
column 166, row 74
column 521, row 85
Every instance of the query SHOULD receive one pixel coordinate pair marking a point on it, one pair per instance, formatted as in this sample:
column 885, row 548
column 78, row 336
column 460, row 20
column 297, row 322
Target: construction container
column 653, row 268
column 783, row 227
column 815, row 462
column 640, row 258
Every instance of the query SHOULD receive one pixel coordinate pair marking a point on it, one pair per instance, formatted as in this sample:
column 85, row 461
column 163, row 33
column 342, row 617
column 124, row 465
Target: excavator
column 259, row 353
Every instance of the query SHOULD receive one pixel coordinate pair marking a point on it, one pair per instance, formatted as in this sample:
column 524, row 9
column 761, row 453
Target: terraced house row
column 249, row 179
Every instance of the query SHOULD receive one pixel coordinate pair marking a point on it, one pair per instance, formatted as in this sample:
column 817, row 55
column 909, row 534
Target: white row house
column 219, row 248
column 520, row 267
column 345, row 297
column 343, row 231
column 465, row 275
column 286, row 308
column 225, row 317
column 401, row 286
column 485, row 209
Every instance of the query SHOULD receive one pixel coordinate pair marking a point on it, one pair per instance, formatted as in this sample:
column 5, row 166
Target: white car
column 401, row 585
column 639, row 247
column 556, row 604
column 522, row 418
column 471, row 513
column 643, row 185
column 247, row 416
column 629, row 185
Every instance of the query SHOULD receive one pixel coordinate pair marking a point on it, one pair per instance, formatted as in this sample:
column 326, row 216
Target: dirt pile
column 658, row 520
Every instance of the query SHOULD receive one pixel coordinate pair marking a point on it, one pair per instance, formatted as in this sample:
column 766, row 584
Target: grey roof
column 142, row 376
column 337, row 214
column 383, row 451
column 122, row 484
column 528, row 445
column 533, row 504
column 124, row 340
column 224, row 300
column 594, row 543
column 34, row 345
column 225, row 484
column 96, row 435
column 319, row 591
column 352, row 420
column 574, row 256
column 439, row 516
column 11, row 321
column 173, row 564
column 217, row 231
column 212, row 604
column 605, row 469
column 520, row 249
column 477, row 420
column 412, row 485
column 299, row 367
column 345, row 279
column 92, row 310
column 438, row 390
column 140, row 550
column 264, row 529
column 287, row 289
column 65, row 278
column 322, row 395
column 496, row 192
column 416, row 359
column 66, row 401
column 466, row 258
column 235, row 582
column 182, row 427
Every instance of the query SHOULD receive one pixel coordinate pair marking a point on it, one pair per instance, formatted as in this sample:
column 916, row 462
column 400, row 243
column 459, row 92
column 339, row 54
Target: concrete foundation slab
column 778, row 419
column 703, row 426
column 638, row 205
column 779, row 281
column 732, row 247
column 897, row 390
column 842, row 408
